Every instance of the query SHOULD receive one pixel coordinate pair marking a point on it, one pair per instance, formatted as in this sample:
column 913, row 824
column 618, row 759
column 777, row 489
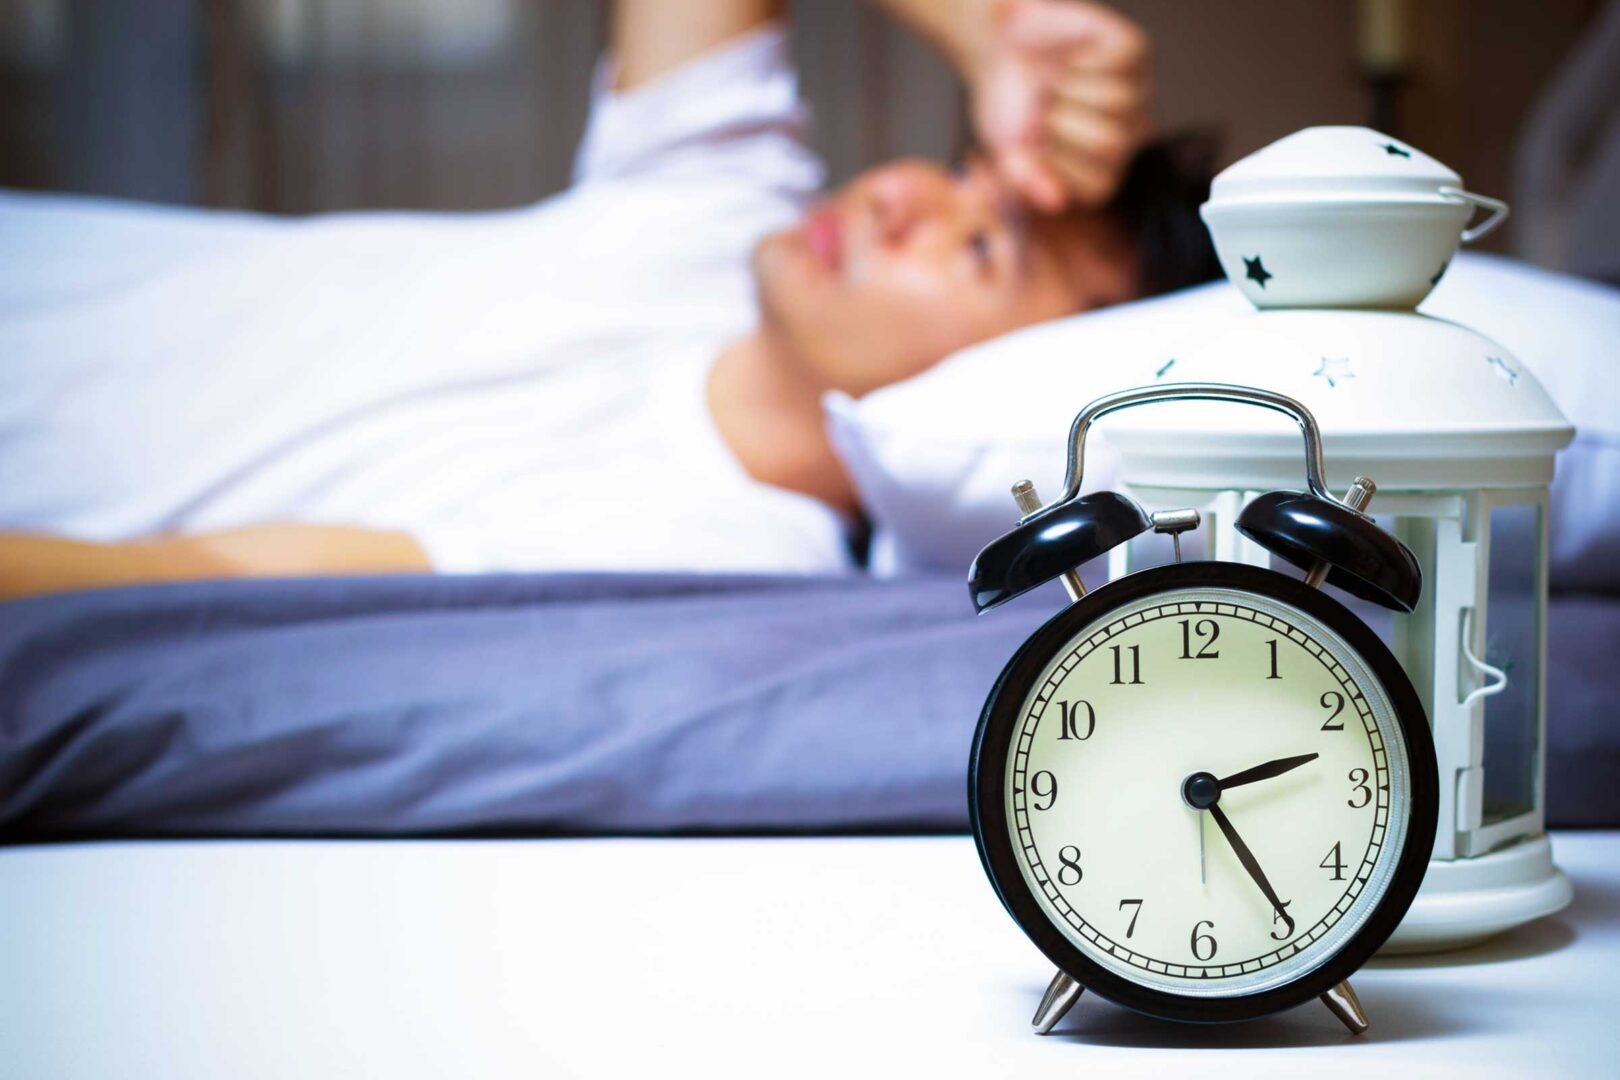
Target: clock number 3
column 1358, row 777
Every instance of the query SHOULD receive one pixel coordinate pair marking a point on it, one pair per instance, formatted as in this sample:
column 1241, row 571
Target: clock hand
column 1252, row 865
column 1201, row 879
column 1264, row 772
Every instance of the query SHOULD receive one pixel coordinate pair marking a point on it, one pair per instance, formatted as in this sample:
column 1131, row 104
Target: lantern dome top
column 1416, row 403
column 1333, row 163
column 1340, row 217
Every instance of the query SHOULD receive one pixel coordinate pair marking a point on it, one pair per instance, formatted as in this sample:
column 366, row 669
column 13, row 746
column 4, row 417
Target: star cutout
column 1168, row 364
column 1440, row 273
column 1335, row 369
column 1395, row 151
column 1256, row 271
column 1503, row 370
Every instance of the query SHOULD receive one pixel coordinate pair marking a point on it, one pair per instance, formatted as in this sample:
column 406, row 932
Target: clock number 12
column 1204, row 628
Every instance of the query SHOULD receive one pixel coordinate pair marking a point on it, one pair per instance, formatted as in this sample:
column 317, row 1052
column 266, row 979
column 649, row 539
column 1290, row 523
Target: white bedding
column 933, row 456
column 520, row 390
column 742, row 957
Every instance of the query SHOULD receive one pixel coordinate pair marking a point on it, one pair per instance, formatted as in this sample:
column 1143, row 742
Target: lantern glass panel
column 1513, row 644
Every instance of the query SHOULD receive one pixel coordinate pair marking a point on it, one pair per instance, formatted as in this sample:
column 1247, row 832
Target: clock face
column 1205, row 791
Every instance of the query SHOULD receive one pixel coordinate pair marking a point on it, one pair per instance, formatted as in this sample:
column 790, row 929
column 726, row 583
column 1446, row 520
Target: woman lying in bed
column 627, row 376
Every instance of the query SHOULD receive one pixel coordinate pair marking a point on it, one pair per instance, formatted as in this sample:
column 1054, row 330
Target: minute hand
column 1265, row 772
column 1246, row 857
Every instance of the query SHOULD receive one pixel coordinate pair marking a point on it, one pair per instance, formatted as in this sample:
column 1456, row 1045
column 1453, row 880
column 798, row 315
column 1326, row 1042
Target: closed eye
column 979, row 248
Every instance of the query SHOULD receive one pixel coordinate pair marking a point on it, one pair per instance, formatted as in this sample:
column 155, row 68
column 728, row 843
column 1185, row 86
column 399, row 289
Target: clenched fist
column 1060, row 99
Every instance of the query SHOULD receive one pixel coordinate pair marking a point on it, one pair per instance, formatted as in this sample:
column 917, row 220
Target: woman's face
column 909, row 262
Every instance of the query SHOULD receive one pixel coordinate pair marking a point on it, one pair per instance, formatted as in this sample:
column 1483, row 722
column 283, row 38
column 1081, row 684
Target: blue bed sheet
column 544, row 704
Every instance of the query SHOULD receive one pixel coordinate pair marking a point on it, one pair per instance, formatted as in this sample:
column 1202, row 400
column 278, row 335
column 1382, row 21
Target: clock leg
column 1342, row 1000
column 1059, row 998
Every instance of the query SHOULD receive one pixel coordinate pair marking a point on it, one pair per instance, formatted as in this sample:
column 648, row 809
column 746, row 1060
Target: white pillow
column 933, row 457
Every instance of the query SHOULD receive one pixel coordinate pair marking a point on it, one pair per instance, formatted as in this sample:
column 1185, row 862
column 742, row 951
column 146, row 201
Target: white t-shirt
column 518, row 390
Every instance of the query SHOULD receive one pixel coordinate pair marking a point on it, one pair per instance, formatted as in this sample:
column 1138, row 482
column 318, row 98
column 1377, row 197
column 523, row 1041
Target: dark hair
column 1157, row 203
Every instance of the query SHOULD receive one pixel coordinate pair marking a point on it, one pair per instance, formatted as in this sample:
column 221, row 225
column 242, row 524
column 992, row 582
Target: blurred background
column 300, row 106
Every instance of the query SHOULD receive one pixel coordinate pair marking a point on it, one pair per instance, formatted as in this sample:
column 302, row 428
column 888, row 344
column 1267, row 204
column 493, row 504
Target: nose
column 904, row 196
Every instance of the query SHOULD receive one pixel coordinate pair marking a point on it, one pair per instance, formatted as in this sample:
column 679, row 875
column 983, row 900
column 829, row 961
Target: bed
column 561, row 704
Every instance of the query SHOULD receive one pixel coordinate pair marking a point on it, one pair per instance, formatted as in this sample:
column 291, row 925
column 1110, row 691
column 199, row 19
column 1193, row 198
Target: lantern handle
column 1243, row 395
column 1486, row 671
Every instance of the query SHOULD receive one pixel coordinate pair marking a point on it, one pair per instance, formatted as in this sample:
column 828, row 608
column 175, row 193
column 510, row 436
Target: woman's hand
column 34, row 563
column 1060, row 98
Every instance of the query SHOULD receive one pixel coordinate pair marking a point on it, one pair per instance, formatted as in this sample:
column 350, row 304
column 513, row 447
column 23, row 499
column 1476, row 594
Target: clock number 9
column 1335, row 701
column 1200, row 941
column 1069, row 873
column 1050, row 792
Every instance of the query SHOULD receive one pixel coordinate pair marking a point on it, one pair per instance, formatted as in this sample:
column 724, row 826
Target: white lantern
column 1336, row 234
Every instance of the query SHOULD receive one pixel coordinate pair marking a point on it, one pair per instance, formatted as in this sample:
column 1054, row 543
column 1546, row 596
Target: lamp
column 1336, row 234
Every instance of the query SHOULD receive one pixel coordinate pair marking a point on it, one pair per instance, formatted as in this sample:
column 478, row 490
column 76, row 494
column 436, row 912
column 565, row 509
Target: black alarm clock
column 1206, row 791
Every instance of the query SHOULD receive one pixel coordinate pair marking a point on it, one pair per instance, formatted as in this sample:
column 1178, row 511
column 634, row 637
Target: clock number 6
column 1335, row 701
column 1197, row 938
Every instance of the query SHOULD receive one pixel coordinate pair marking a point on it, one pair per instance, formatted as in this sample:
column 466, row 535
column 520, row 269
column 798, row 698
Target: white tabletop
column 755, row 957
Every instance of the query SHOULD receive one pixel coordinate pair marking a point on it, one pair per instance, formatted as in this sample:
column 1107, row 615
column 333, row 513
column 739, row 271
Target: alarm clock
column 1206, row 791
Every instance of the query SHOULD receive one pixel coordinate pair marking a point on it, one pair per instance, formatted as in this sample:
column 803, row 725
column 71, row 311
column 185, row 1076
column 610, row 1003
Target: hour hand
column 1264, row 772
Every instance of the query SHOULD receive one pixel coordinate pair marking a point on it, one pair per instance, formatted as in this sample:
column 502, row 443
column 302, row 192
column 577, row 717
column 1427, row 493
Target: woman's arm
column 1060, row 89
column 33, row 563
column 653, row 37
column 960, row 29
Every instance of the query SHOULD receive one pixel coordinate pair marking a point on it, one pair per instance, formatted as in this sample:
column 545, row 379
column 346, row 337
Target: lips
column 825, row 235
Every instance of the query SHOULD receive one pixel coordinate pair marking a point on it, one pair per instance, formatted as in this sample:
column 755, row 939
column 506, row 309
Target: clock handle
column 1147, row 395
